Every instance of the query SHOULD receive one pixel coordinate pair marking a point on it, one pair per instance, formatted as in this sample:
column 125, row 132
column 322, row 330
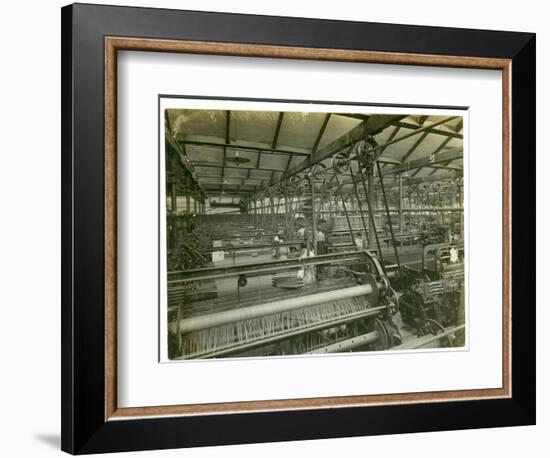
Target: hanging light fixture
column 237, row 159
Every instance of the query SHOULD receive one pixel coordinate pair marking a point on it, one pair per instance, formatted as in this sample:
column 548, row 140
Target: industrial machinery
column 317, row 254
column 241, row 205
column 351, row 311
column 433, row 298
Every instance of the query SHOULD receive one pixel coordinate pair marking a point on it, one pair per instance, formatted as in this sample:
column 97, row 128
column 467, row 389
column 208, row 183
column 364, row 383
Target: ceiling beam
column 372, row 126
column 237, row 167
column 407, row 125
column 442, row 177
column 227, row 177
column 362, row 117
column 412, row 134
column 412, row 181
column 413, row 148
column 228, row 194
column 214, row 165
column 243, row 147
column 229, row 188
column 445, row 164
column 287, row 164
column 430, row 161
column 390, row 138
column 459, row 126
column 321, row 133
column 277, row 130
column 439, row 148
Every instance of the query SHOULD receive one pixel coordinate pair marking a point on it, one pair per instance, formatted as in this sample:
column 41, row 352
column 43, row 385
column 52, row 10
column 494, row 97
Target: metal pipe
column 300, row 330
column 260, row 268
column 371, row 198
column 287, row 215
column 414, row 210
column 272, row 207
column 173, row 187
column 188, row 201
column 257, row 311
column 313, row 217
column 400, row 203
column 347, row 344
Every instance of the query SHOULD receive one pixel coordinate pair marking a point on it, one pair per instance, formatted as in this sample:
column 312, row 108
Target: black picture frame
column 84, row 428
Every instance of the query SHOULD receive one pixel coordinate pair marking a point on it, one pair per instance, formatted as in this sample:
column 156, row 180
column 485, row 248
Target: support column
column 173, row 201
column 461, row 196
column 313, row 217
column 400, row 204
column 173, row 185
column 188, row 200
column 263, row 211
column 255, row 211
column 372, row 206
column 173, row 197
column 287, row 214
column 272, row 208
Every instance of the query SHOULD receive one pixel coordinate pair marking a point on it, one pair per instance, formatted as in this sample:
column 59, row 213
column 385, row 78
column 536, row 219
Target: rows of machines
column 316, row 288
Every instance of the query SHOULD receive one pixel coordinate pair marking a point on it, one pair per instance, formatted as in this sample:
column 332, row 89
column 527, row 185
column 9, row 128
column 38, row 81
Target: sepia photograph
column 287, row 231
column 271, row 221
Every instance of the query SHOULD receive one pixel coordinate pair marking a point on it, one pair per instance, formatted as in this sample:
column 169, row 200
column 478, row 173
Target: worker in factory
column 306, row 273
column 360, row 241
column 276, row 249
column 321, row 242
column 301, row 232
column 283, row 249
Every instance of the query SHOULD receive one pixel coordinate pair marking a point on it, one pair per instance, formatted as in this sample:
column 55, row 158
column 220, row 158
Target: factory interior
column 307, row 233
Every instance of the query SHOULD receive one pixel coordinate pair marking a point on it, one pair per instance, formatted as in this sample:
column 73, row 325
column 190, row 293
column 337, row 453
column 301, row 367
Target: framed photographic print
column 271, row 221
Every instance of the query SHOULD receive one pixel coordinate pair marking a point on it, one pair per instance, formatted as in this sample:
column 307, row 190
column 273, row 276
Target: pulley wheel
column 434, row 327
column 382, row 343
column 340, row 162
column 317, row 171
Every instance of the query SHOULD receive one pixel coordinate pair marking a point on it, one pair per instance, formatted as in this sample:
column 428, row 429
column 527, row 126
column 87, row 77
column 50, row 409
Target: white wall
column 30, row 229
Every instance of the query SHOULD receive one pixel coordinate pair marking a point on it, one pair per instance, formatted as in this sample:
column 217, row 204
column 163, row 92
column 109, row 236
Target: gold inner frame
column 114, row 44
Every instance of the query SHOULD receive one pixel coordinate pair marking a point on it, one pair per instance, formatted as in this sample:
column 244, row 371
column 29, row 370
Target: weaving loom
column 309, row 323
